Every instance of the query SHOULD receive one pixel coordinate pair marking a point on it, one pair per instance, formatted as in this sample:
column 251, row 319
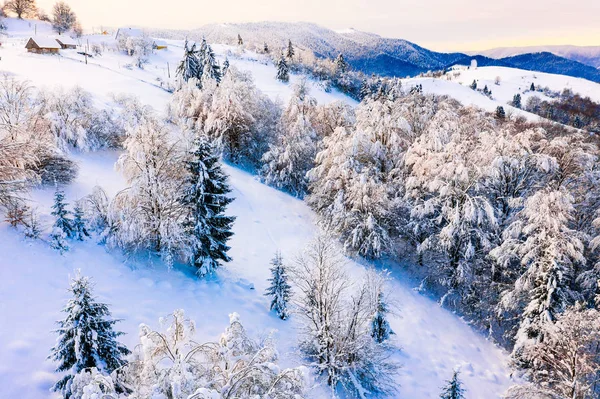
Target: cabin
column 159, row 45
column 124, row 33
column 42, row 45
column 66, row 42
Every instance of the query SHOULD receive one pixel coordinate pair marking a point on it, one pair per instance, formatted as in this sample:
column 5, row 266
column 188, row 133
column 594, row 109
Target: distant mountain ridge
column 588, row 55
column 366, row 52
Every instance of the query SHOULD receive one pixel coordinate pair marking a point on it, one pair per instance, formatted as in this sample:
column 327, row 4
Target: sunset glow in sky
column 438, row 24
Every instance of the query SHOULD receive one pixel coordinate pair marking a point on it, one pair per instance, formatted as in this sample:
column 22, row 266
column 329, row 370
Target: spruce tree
column 516, row 102
column 86, row 337
column 453, row 389
column 500, row 114
column 210, row 67
column 532, row 87
column 79, row 224
column 380, row 328
column 283, row 72
column 474, row 85
column 279, row 290
column 341, row 66
column 290, row 50
column 240, row 41
column 266, row 48
column 205, row 199
column 190, row 66
column 62, row 230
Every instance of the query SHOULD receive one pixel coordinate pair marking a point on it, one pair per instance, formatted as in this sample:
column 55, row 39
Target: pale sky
column 443, row 25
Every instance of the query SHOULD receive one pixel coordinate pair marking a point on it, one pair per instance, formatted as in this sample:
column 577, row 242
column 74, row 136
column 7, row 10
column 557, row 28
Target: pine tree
column 266, row 48
column 532, row 87
column 240, row 41
column 380, row 328
column 500, row 114
column 86, row 337
column 210, row 67
column 290, row 50
column 516, row 102
column 190, row 66
column 225, row 67
column 63, row 225
column 279, row 290
column 486, row 91
column 341, row 66
column 205, row 199
column 79, row 224
column 473, row 85
column 453, row 389
column 283, row 72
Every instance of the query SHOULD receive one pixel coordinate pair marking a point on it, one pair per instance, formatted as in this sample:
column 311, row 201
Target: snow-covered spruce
column 280, row 291
column 204, row 199
column 80, row 230
column 380, row 327
column 283, row 71
column 453, row 388
column 86, row 338
column 63, row 229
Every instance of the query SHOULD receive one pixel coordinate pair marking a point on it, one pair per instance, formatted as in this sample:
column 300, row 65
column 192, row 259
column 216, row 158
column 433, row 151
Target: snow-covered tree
column 548, row 252
column 204, row 199
column 172, row 364
column 500, row 113
column 190, row 66
column 86, row 337
column 335, row 318
column 568, row 359
column 516, row 101
column 341, row 66
column 91, row 384
column 453, row 388
column 290, row 51
column 210, row 67
column 283, row 71
column 289, row 159
column 63, row 229
column 80, row 231
column 147, row 214
column 380, row 327
column 240, row 40
column 63, row 17
column 280, row 290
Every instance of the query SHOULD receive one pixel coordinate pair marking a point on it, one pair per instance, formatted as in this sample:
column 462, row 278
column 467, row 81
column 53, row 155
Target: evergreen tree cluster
column 199, row 63
column 66, row 227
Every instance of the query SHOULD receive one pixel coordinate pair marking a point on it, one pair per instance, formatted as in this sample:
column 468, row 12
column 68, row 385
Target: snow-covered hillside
column 511, row 81
column 34, row 277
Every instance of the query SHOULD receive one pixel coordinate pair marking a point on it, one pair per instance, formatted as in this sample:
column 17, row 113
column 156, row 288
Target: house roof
column 45, row 42
column 130, row 32
column 66, row 40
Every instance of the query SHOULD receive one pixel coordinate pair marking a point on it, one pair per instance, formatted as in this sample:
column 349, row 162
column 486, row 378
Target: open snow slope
column 34, row 278
column 512, row 81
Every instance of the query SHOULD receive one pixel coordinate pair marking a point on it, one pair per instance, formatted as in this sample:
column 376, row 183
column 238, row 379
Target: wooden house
column 66, row 42
column 42, row 45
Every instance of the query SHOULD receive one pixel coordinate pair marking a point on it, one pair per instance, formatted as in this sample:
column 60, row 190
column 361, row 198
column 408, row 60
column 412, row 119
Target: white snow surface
column 34, row 278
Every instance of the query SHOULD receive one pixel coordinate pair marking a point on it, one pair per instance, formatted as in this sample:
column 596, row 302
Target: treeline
column 569, row 109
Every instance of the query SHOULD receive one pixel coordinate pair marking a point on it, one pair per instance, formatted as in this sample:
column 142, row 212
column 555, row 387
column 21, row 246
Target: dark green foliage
column 283, row 71
column 532, row 87
column 290, row 50
column 279, row 290
column 516, row 102
column 380, row 328
column 453, row 389
column 474, row 85
column 205, row 200
column 79, row 224
column 86, row 337
column 190, row 66
column 500, row 113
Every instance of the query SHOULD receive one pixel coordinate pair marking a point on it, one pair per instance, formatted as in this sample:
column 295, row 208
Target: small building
column 160, row 45
column 66, row 42
column 124, row 33
column 42, row 45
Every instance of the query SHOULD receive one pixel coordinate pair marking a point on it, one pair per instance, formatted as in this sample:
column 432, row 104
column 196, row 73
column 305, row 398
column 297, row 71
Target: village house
column 42, row 45
column 66, row 42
